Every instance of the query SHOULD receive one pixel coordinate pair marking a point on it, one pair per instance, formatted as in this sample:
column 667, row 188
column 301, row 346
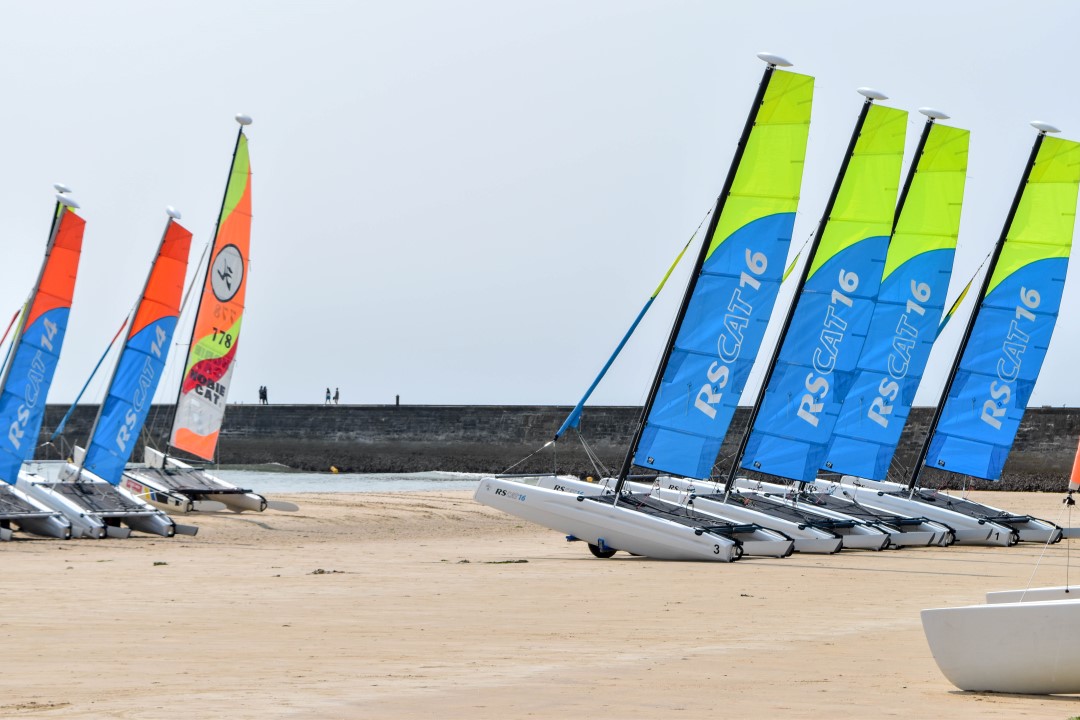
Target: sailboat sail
column 910, row 304
column 1015, row 320
column 215, row 338
column 142, row 360
column 734, row 287
column 36, row 347
column 817, row 362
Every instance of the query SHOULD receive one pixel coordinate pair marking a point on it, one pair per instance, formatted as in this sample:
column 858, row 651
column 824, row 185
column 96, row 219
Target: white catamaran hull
column 1008, row 647
column 859, row 536
column 174, row 499
column 968, row 530
column 83, row 525
column 806, row 539
column 921, row 534
column 763, row 541
column 95, row 508
column 603, row 525
column 30, row 516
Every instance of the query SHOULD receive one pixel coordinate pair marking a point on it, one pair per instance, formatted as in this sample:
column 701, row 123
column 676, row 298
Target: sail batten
column 204, row 388
column 732, row 289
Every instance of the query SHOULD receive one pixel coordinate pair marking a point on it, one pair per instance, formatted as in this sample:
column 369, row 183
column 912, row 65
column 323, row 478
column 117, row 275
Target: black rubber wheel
column 603, row 554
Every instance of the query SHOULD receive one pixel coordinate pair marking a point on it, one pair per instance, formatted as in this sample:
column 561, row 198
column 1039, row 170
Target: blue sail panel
column 901, row 335
column 817, row 365
column 125, row 409
column 719, row 338
column 22, row 402
column 997, row 373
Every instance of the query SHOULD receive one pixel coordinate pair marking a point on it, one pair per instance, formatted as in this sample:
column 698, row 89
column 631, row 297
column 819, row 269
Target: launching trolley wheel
column 604, row 553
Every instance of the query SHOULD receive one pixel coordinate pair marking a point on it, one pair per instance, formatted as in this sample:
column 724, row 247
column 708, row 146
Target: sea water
column 277, row 483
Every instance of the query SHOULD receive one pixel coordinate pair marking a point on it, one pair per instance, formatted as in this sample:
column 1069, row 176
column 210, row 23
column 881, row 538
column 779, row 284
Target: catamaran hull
column 1012, row 647
column 173, row 503
column 966, row 529
column 603, row 525
column 239, row 503
column 83, row 525
column 762, row 542
column 859, row 536
column 95, row 508
column 184, row 496
column 30, row 516
column 806, row 539
column 904, row 533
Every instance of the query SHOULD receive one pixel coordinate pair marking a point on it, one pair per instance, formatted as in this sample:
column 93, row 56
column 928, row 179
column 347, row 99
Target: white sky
column 468, row 202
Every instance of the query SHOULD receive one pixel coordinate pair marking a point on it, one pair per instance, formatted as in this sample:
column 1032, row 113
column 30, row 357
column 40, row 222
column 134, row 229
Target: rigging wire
column 1066, row 509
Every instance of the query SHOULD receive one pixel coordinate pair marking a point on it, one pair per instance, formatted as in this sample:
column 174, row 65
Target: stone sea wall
column 494, row 438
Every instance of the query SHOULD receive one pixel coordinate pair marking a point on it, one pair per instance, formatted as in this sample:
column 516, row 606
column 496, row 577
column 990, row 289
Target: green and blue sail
column 818, row 362
column 905, row 321
column 1016, row 317
column 734, row 290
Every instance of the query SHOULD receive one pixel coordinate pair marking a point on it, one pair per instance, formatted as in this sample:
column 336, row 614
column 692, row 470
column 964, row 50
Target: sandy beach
column 429, row 605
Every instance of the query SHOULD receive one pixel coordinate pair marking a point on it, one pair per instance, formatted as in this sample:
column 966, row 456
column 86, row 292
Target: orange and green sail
column 215, row 338
column 36, row 347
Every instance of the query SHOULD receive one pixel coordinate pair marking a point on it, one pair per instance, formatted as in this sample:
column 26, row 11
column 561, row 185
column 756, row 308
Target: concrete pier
column 492, row 438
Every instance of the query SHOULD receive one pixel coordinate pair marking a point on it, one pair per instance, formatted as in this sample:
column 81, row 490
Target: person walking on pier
column 327, row 397
column 337, row 395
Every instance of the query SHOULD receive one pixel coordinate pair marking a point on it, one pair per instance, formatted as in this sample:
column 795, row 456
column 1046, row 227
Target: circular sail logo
column 227, row 273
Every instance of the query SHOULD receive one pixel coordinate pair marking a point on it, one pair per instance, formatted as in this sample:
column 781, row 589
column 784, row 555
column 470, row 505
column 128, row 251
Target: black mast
column 978, row 304
column 751, row 119
column 870, row 95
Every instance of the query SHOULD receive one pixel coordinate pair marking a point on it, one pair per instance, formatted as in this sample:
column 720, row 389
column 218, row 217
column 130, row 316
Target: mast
column 870, row 95
column 173, row 215
column 772, row 61
column 1043, row 129
column 931, row 116
column 243, row 120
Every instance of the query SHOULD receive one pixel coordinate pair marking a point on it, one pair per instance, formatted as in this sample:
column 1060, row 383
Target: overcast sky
column 468, row 202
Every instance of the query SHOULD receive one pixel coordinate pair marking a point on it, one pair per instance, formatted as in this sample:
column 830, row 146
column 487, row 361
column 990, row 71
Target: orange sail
column 208, row 371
